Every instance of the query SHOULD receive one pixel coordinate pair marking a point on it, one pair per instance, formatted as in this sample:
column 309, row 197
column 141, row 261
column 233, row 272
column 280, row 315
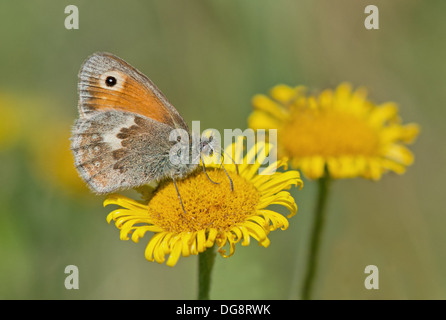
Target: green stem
column 205, row 265
column 319, row 219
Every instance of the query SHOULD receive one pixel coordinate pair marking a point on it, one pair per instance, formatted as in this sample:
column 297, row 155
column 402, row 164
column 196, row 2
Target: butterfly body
column 123, row 137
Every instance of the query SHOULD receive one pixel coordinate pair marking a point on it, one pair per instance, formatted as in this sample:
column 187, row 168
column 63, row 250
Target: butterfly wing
column 117, row 150
column 121, row 139
column 107, row 82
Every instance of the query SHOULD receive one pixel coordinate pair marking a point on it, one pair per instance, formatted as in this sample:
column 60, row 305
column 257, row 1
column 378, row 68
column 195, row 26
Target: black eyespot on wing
column 110, row 81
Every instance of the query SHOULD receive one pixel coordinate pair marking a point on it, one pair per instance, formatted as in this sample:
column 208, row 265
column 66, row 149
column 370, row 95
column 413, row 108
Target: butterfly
column 123, row 137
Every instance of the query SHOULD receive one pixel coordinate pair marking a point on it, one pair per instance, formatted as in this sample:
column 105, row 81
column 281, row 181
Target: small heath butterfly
column 122, row 138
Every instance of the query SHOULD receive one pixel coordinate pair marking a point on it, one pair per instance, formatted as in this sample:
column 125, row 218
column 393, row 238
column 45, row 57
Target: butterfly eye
column 110, row 81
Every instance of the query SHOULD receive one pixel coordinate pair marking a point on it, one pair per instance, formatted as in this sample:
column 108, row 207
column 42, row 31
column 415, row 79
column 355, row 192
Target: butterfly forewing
column 106, row 82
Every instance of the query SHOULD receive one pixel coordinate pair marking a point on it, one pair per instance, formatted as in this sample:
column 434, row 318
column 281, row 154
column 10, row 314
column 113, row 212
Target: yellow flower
column 29, row 121
column 53, row 159
column 214, row 214
column 10, row 121
column 339, row 130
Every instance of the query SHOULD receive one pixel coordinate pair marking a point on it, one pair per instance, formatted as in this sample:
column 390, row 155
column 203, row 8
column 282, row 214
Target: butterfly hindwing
column 117, row 150
column 106, row 82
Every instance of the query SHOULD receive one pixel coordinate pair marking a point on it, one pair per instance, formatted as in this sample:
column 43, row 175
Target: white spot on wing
column 110, row 137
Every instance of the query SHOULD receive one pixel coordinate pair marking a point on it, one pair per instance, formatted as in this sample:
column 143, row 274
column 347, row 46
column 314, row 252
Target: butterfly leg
column 178, row 193
column 204, row 170
column 227, row 174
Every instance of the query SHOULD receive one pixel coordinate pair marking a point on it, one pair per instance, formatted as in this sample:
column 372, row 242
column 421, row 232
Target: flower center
column 207, row 205
column 328, row 133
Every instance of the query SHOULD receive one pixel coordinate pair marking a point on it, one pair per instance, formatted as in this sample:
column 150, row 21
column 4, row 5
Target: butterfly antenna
column 204, row 170
column 178, row 193
column 224, row 153
column 227, row 174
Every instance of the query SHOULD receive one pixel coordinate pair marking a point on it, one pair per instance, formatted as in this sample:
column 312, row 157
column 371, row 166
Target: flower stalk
column 205, row 265
column 316, row 235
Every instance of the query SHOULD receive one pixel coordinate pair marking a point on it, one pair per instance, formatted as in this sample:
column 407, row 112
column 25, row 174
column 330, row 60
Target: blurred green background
column 210, row 57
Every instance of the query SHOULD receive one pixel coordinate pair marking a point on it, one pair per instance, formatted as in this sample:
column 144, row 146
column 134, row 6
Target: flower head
column 53, row 160
column 339, row 130
column 213, row 213
column 9, row 123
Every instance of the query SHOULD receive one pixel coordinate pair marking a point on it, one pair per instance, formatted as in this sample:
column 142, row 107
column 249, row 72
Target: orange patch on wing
column 131, row 97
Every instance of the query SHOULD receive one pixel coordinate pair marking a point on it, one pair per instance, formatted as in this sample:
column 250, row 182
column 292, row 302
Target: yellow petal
column 263, row 103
